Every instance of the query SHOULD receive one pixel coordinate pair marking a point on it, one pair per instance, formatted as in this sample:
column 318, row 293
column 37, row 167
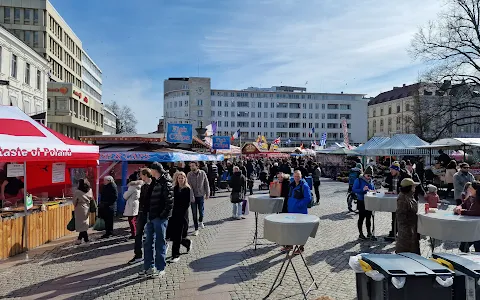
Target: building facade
column 23, row 75
column 72, row 112
column 109, row 122
column 282, row 111
column 423, row 109
column 39, row 25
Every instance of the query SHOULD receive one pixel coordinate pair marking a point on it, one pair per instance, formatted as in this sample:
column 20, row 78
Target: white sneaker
column 195, row 233
column 202, row 225
column 78, row 242
column 238, row 218
column 176, row 259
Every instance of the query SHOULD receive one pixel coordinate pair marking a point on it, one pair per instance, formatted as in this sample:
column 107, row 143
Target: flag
column 276, row 141
column 236, row 135
column 323, row 140
column 288, row 142
column 314, row 143
column 312, row 131
column 211, row 129
column 301, row 146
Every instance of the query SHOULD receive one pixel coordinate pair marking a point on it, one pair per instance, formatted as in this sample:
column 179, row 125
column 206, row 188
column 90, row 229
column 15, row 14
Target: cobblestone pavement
column 222, row 264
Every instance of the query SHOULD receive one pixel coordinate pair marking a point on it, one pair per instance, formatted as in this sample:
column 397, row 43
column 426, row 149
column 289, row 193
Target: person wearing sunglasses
column 460, row 179
column 361, row 186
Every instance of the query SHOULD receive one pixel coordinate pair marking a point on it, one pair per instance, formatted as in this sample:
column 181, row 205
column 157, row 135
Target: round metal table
column 291, row 229
column 263, row 204
column 380, row 202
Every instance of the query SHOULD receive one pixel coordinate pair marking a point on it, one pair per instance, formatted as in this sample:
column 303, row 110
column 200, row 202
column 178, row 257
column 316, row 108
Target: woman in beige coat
column 81, row 202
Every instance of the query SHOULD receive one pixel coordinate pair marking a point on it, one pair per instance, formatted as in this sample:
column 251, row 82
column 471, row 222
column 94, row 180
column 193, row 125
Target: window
column 304, row 115
column 282, row 124
column 6, row 13
column 345, row 106
column 293, row 125
column 390, row 110
column 14, row 66
column 259, row 124
column 232, row 123
column 381, row 111
column 323, row 106
column 265, row 124
column 243, row 104
column 242, row 114
column 232, row 114
column 317, row 115
column 225, row 103
column 1, row 54
column 294, row 105
column 374, row 112
column 294, row 115
column 332, row 125
column 219, row 114
column 345, row 116
column 272, row 105
column 265, row 115
column 219, row 103
column 332, row 106
column 212, row 103
column 28, row 37
column 407, row 107
column 317, row 106
column 332, row 116
column 259, row 104
column 213, row 113
column 35, row 17
column 310, row 106
column 265, row 104
column 27, row 73
column 304, row 106
column 16, row 15
column 253, row 125
column 284, row 105
column 199, row 102
column 259, row 114
column 200, row 113
column 398, row 109
column 27, row 15
column 35, row 39
column 310, row 116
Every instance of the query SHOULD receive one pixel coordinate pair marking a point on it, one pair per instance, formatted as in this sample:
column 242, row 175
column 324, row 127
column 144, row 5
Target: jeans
column 316, row 186
column 156, row 230
column 197, row 211
column 237, row 210
column 83, row 235
column 141, row 221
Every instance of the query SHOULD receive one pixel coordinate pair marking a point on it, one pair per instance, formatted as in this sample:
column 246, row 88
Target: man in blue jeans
column 159, row 209
column 198, row 180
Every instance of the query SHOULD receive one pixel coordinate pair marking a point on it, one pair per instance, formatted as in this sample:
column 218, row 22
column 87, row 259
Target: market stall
column 41, row 162
column 336, row 163
column 252, row 150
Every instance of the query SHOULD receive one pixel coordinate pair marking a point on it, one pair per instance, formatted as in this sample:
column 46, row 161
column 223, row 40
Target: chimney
column 404, row 85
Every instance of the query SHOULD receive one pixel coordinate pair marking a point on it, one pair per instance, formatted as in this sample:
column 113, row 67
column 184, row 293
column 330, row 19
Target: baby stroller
column 250, row 182
column 224, row 179
column 263, row 181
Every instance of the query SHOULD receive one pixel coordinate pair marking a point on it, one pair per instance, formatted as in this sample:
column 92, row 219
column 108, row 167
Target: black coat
column 212, row 172
column 109, row 195
column 161, row 200
column 145, row 194
column 401, row 176
column 285, row 192
column 238, row 184
column 178, row 222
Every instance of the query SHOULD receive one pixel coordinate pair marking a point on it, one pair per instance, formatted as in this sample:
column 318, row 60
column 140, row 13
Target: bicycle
column 352, row 201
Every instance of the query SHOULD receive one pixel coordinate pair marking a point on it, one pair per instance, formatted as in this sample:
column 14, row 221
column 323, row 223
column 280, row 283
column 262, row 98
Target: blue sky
column 335, row 45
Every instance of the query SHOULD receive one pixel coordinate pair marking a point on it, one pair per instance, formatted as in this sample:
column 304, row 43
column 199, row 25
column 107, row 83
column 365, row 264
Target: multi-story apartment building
column 23, row 76
column 423, row 109
column 40, row 26
column 281, row 111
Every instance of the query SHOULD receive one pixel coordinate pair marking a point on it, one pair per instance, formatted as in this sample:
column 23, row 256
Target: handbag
column 275, row 189
column 99, row 225
column 71, row 224
column 93, row 205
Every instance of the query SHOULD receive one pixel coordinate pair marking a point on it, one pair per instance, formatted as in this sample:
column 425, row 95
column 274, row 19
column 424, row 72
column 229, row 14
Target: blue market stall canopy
column 400, row 144
column 166, row 155
column 373, row 143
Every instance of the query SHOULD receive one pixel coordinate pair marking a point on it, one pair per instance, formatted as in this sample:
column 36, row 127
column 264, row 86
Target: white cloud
column 334, row 45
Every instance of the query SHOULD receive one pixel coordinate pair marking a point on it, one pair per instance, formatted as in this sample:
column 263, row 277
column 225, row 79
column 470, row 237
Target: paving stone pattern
column 221, row 265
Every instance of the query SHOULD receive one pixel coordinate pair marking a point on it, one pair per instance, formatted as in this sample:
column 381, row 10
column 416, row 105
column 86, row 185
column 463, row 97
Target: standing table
column 263, row 204
column 444, row 225
column 291, row 229
column 381, row 202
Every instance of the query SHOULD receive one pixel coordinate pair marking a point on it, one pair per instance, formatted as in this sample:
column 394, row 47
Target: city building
column 109, row 122
column 72, row 113
column 160, row 126
column 280, row 111
column 39, row 25
column 423, row 109
column 23, row 76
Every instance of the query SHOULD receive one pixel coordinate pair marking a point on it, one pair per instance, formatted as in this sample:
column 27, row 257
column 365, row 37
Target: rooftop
column 396, row 93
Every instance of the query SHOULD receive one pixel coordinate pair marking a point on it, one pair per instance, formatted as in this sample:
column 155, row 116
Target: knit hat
column 157, row 167
column 368, row 171
column 395, row 166
column 431, row 188
column 359, row 166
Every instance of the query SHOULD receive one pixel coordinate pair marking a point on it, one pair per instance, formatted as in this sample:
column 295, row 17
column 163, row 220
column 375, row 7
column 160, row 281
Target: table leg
column 373, row 226
column 255, row 237
column 432, row 244
column 311, row 276
column 273, row 288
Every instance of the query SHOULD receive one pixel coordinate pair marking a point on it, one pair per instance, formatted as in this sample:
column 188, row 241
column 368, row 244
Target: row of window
column 77, row 108
column 92, row 92
column 284, row 135
column 91, row 65
column 57, row 30
column 279, row 115
column 30, row 16
column 398, row 110
column 27, row 74
column 90, row 77
column 31, row 38
column 282, row 95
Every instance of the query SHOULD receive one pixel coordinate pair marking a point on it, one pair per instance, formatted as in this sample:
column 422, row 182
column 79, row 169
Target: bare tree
column 126, row 121
column 451, row 47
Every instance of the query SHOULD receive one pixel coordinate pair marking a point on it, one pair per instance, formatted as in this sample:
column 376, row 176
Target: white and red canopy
column 24, row 139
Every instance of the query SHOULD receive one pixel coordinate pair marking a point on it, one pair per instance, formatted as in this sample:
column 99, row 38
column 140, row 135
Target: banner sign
column 179, row 133
column 15, row 170
column 220, row 142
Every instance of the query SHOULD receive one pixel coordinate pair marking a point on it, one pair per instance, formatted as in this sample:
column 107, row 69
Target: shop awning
column 24, row 139
column 163, row 155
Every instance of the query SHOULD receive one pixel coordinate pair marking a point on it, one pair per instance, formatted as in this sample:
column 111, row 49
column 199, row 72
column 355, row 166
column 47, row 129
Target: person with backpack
column 361, row 186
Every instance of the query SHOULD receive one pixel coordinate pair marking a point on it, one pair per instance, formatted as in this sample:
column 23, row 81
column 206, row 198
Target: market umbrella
column 344, row 151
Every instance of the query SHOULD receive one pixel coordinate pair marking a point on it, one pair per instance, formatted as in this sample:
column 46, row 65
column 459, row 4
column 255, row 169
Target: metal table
column 381, row 202
column 263, row 204
column 444, row 225
column 291, row 229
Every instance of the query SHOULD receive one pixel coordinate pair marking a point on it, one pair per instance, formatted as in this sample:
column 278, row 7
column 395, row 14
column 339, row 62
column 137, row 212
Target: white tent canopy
column 401, row 144
column 453, row 143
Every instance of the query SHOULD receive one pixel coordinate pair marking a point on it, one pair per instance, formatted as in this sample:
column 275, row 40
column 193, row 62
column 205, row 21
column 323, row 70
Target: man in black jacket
column 159, row 209
column 106, row 208
column 212, row 175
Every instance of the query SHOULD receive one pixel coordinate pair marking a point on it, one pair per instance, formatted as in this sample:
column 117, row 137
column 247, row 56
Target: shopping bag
column 71, row 224
column 275, row 189
column 244, row 205
column 99, row 225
